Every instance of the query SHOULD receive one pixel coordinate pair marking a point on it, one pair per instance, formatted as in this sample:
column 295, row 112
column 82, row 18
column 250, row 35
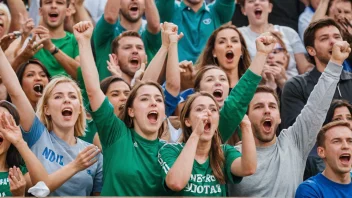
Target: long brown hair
column 216, row 155
column 206, row 57
column 127, row 118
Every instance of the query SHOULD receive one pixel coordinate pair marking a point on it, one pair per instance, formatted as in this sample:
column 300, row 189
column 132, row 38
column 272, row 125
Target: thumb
column 142, row 67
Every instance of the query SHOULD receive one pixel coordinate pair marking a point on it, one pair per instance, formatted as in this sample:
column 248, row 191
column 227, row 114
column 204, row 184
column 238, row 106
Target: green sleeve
column 230, row 155
column 236, row 104
column 167, row 156
column 152, row 43
column 224, row 9
column 75, row 47
column 110, row 127
column 23, row 169
column 166, row 8
column 103, row 33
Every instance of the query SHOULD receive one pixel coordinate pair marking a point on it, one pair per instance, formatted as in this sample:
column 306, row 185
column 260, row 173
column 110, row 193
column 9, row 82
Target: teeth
column 153, row 112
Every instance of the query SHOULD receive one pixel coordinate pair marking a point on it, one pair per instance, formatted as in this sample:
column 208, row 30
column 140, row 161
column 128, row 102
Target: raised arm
column 152, row 16
column 14, row 89
column 321, row 10
column 247, row 164
column 304, row 131
column 166, row 9
column 224, row 9
column 236, row 104
column 85, row 158
column 180, row 172
column 17, row 8
column 111, row 12
column 81, row 12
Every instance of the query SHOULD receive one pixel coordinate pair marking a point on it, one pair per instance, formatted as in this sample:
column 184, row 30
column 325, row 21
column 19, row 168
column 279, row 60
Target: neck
column 3, row 165
column 262, row 144
column 233, row 75
column 340, row 178
column 260, row 28
column 320, row 66
column 66, row 135
column 127, row 78
column 202, row 152
column 56, row 33
column 194, row 7
column 130, row 25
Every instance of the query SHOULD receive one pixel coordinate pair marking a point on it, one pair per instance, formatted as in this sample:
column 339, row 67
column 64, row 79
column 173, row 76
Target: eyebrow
column 60, row 93
column 149, row 95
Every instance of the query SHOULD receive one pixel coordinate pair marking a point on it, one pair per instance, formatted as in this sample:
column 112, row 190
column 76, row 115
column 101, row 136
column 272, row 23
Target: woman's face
column 63, row 106
column 34, row 81
column 4, row 23
column 227, row 49
column 342, row 113
column 4, row 144
column 257, row 11
column 215, row 82
column 117, row 94
column 204, row 106
column 278, row 57
column 148, row 110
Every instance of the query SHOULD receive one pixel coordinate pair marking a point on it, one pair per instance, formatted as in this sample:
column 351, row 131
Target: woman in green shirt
column 200, row 166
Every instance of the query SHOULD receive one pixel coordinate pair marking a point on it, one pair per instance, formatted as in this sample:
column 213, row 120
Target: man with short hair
column 60, row 53
column 335, row 148
column 126, row 15
column 319, row 39
column 281, row 160
column 196, row 20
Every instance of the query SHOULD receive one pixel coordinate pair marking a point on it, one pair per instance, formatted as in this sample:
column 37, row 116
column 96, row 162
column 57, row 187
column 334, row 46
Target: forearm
column 180, row 173
column 173, row 77
column 111, row 12
column 152, row 16
column 321, row 10
column 81, row 14
column 69, row 64
column 258, row 62
column 249, row 153
column 156, row 65
column 17, row 8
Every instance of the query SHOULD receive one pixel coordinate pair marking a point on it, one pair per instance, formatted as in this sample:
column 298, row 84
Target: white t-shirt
column 291, row 39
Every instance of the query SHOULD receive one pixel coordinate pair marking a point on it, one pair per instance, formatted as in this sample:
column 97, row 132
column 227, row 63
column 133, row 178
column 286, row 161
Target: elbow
column 110, row 18
column 251, row 169
column 154, row 28
column 175, row 186
column 173, row 87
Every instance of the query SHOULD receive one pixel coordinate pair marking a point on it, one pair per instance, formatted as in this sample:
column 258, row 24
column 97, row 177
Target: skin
column 325, row 38
column 4, row 19
column 278, row 57
column 251, row 6
column 342, row 113
column 3, row 92
column 204, row 106
column 33, row 74
column 129, row 48
column 338, row 141
column 227, row 40
column 128, row 14
column 148, row 99
column 264, row 106
column 64, row 95
column 5, row 144
column 215, row 79
column 343, row 9
column 53, row 7
column 117, row 94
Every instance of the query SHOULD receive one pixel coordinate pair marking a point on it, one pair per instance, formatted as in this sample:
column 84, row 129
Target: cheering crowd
column 176, row 98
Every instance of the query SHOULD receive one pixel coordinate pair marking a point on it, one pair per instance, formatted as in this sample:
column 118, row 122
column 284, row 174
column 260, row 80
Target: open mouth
column 345, row 158
column 267, row 125
column 66, row 112
column 218, row 94
column 121, row 107
column 134, row 8
column 229, row 55
column 330, row 52
column 153, row 116
column 1, row 25
column 1, row 140
column 134, row 62
column 258, row 13
column 207, row 126
column 38, row 88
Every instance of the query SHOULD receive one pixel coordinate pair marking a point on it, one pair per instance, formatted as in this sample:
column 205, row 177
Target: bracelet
column 56, row 50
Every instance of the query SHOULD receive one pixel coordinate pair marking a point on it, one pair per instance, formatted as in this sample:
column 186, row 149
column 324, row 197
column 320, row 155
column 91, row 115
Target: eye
column 144, row 99
column 73, row 96
column 159, row 100
column 114, row 95
column 337, row 119
column 199, row 109
column 30, row 75
column 208, row 80
column 223, row 79
column 272, row 106
column 213, row 110
column 57, row 97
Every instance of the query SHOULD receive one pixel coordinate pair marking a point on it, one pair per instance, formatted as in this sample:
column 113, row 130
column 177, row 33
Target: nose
column 123, row 98
column 38, row 77
column 229, row 43
column 345, row 144
column 153, row 102
column 267, row 110
column 271, row 55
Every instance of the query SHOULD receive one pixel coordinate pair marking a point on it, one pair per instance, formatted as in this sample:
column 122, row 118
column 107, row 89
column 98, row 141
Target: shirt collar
column 204, row 7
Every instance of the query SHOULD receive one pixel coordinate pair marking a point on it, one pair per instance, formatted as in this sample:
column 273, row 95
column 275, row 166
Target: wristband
column 56, row 50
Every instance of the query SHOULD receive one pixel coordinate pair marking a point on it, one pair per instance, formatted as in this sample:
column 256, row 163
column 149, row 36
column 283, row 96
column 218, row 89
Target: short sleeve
column 306, row 190
column 230, row 155
column 34, row 133
column 98, row 179
column 171, row 103
column 167, row 156
column 23, row 169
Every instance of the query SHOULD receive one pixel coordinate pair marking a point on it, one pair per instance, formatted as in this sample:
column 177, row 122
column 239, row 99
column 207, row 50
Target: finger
column 15, row 173
column 84, row 152
column 20, row 174
column 180, row 36
column 39, row 47
column 142, row 67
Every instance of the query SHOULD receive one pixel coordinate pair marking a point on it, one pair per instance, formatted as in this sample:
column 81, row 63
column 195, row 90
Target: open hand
column 86, row 157
column 17, row 182
column 113, row 66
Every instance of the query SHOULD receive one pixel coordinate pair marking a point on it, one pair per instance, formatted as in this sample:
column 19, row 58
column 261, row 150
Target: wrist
column 336, row 61
column 20, row 144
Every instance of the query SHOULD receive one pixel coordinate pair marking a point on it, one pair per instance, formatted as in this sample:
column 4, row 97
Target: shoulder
column 174, row 147
column 285, row 30
column 309, row 188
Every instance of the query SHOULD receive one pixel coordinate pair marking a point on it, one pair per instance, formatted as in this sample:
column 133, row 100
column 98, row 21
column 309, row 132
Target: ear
column 270, row 7
column 321, row 152
column 130, row 112
column 188, row 122
column 114, row 56
column 311, row 51
column 40, row 11
column 243, row 11
column 46, row 110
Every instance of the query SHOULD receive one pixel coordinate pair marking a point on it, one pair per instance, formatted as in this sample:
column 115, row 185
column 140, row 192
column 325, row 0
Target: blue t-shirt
column 54, row 153
column 320, row 186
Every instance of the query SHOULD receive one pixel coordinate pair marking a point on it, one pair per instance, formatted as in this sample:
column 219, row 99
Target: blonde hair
column 80, row 124
column 7, row 12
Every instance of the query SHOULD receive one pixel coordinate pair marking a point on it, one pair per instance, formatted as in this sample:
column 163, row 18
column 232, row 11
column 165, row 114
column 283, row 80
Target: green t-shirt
column 4, row 182
column 131, row 166
column 103, row 35
column 236, row 104
column 196, row 26
column 202, row 181
column 67, row 45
